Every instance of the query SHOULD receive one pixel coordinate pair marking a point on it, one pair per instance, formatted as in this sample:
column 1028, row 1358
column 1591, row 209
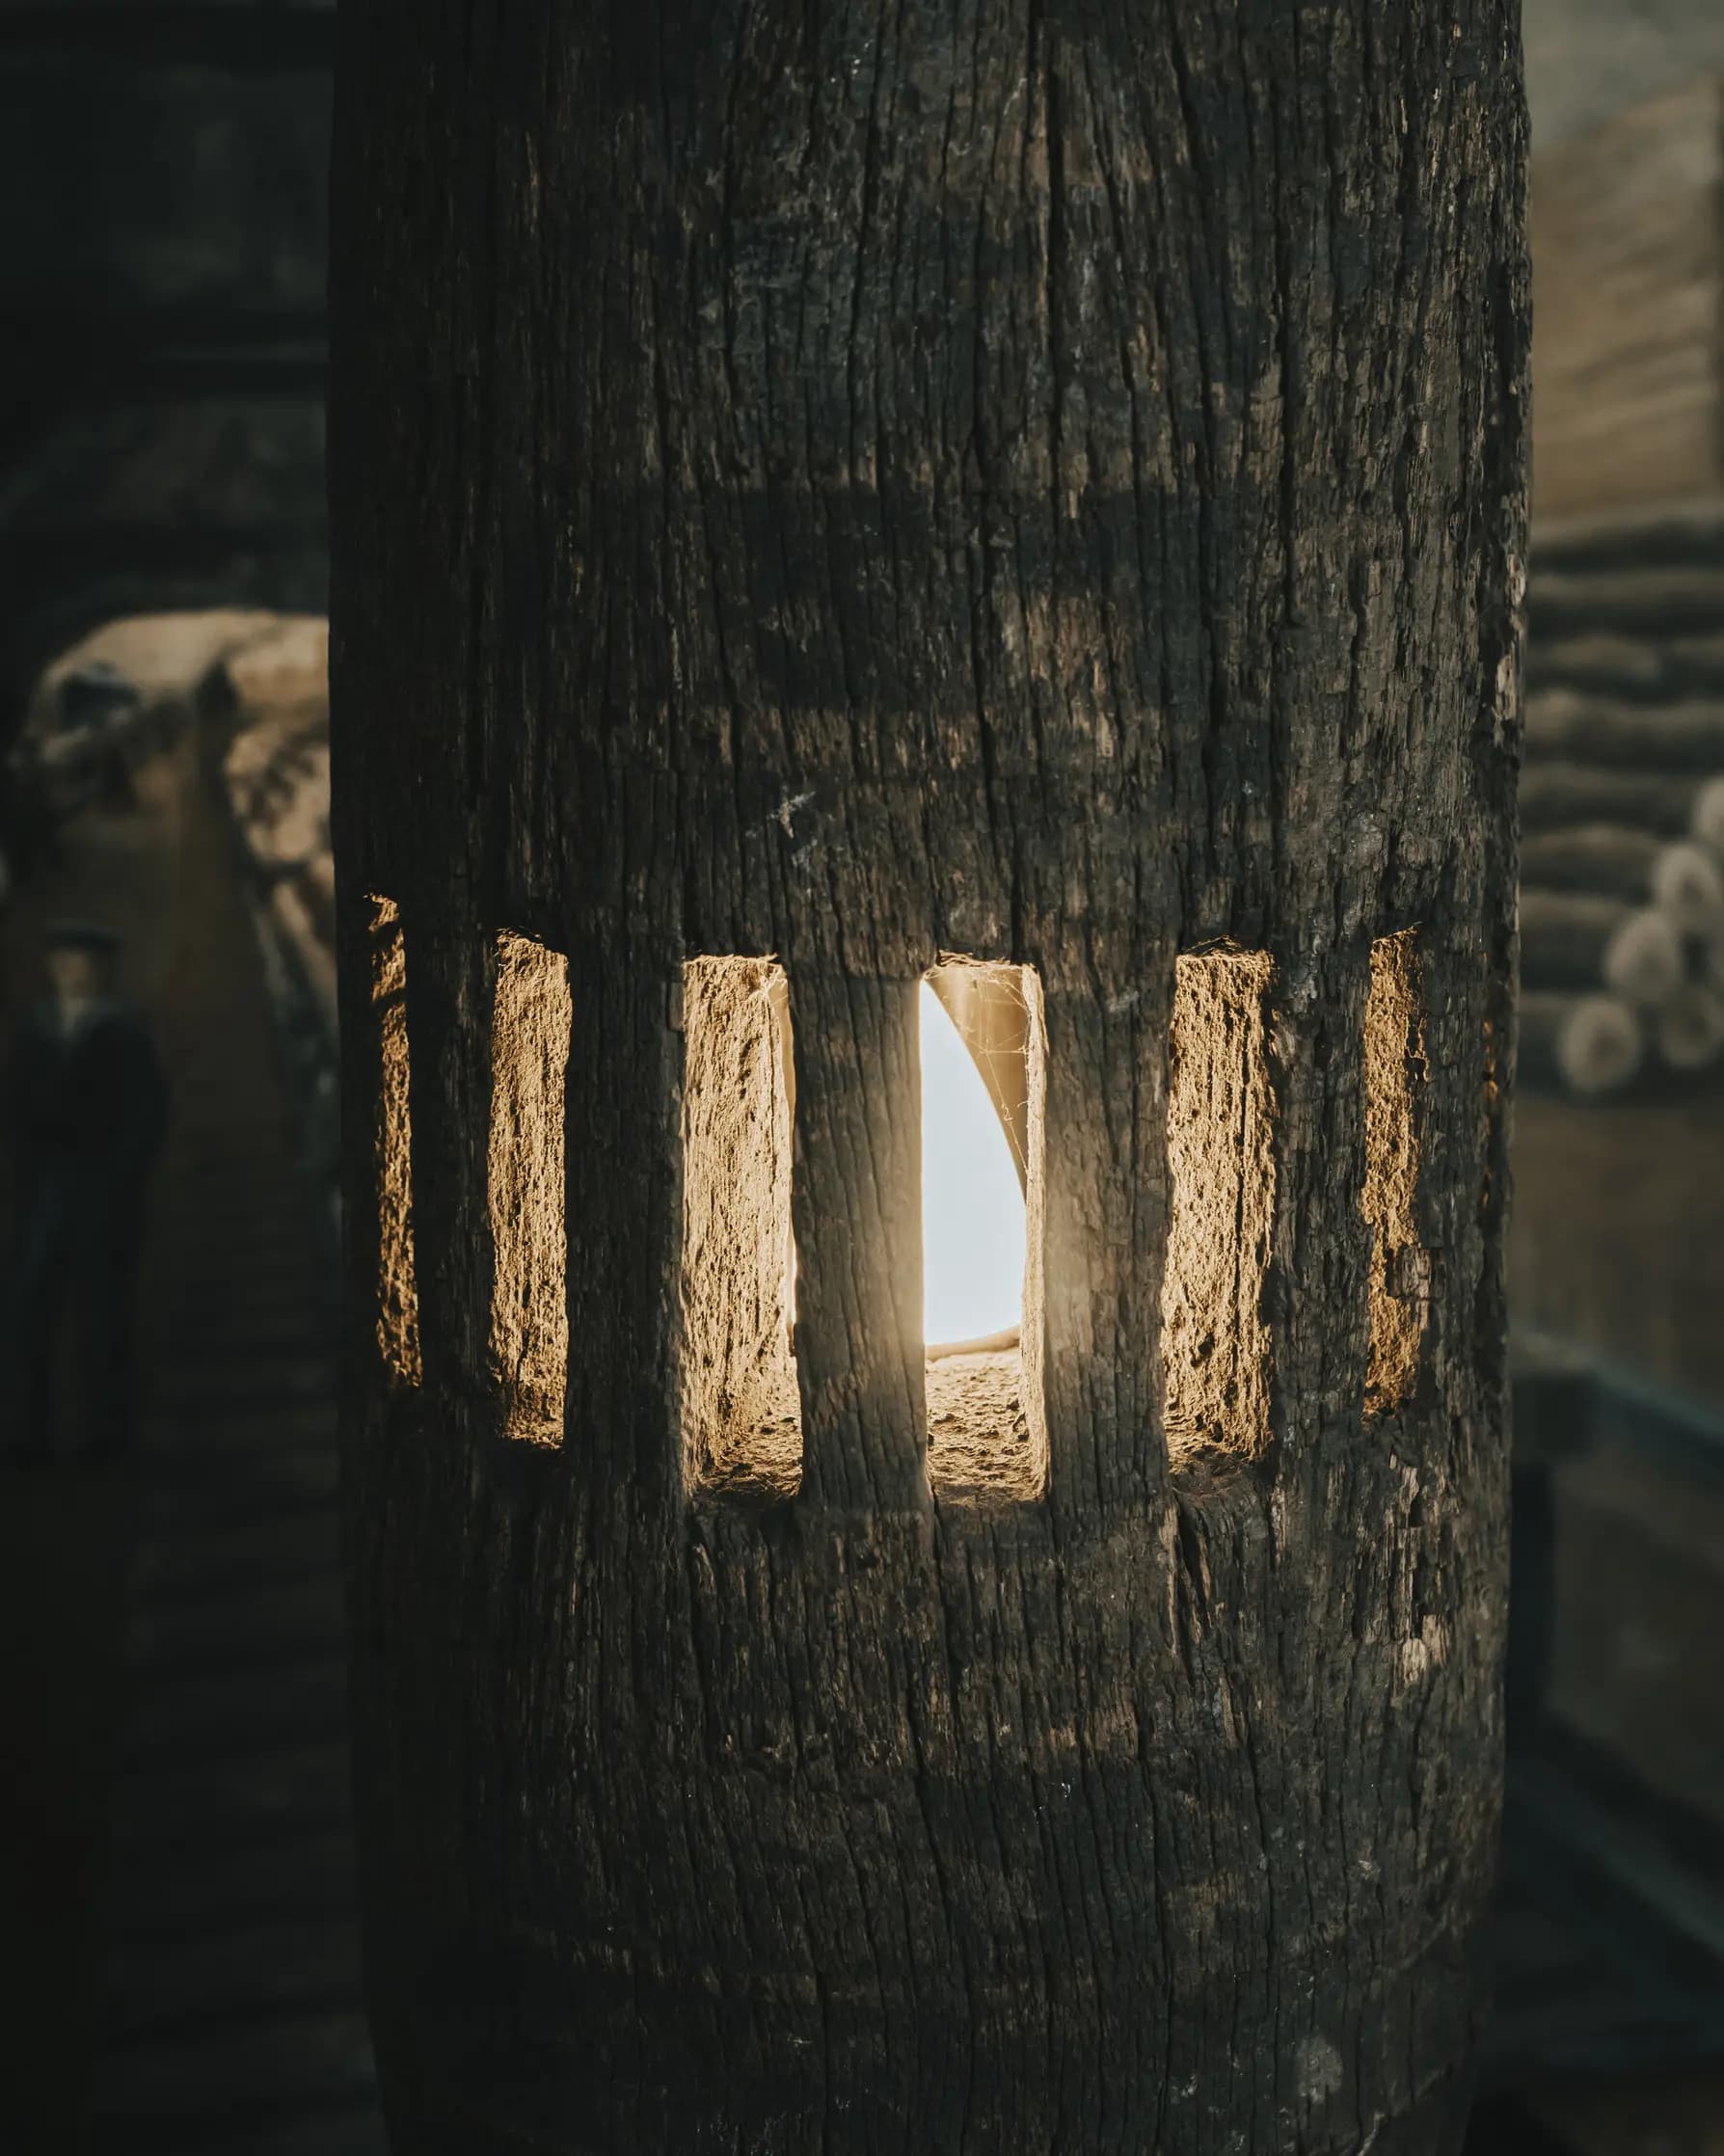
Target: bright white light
column 972, row 1207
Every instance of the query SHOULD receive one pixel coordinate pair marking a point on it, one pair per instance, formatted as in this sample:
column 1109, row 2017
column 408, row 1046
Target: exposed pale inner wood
column 1221, row 1166
column 742, row 1422
column 397, row 1290
column 986, row 1421
column 1395, row 1067
column 529, row 1317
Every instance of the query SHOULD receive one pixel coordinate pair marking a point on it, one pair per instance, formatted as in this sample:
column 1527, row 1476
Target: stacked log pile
column 1622, row 805
column 1623, row 791
column 1626, row 225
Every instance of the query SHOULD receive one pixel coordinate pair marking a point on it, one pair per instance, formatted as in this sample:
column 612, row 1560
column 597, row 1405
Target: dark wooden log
column 1679, row 877
column 1596, row 664
column 1044, row 486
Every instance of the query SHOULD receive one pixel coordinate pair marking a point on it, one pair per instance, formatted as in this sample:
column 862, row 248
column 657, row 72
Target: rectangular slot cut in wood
column 741, row 1419
column 529, row 1316
column 982, row 1208
column 1220, row 1172
column 392, row 1148
column 1395, row 1070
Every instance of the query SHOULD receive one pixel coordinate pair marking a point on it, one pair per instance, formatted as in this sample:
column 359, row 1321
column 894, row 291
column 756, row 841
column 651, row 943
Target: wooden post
column 852, row 489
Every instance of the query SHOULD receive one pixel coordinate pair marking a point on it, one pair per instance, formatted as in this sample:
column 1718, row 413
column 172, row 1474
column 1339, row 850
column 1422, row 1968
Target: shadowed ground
column 173, row 1654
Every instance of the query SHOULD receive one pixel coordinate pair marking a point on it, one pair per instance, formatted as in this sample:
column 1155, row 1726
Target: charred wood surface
column 1043, row 485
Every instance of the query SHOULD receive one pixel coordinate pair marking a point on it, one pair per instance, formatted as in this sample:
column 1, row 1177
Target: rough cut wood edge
column 1216, row 1345
column 740, row 1418
column 1686, row 738
column 1051, row 490
column 529, row 1317
column 389, row 1183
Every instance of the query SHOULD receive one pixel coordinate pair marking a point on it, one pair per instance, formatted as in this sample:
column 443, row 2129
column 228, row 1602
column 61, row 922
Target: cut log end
column 1643, row 961
column 1688, row 1031
column 1590, row 1046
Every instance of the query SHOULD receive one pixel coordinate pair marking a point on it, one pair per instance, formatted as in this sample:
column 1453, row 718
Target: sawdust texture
column 1221, row 1163
column 529, row 1317
column 1394, row 1062
column 742, row 1425
column 397, row 1290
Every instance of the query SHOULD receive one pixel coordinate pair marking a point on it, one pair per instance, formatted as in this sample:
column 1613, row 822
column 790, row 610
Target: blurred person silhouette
column 85, row 1106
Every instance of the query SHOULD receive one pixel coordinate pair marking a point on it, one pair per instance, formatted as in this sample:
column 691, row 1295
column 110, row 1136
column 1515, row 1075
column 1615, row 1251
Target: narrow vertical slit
column 1394, row 1071
column 1220, row 1171
column 983, row 1091
column 741, row 1421
column 529, row 1318
column 392, row 1146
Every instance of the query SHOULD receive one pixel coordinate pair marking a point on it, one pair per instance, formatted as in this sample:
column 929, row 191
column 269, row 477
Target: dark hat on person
column 82, row 935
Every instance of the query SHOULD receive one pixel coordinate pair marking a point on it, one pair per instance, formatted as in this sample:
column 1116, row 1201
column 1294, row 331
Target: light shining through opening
column 972, row 1203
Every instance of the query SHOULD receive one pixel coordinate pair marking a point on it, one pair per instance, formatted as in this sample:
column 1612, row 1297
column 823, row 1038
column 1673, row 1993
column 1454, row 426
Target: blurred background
column 177, row 1901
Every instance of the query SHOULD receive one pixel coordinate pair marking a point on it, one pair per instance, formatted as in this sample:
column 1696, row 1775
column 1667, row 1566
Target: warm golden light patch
column 1220, row 1167
column 529, row 1317
column 742, row 1421
column 983, row 1087
column 392, row 1142
column 1395, row 1069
